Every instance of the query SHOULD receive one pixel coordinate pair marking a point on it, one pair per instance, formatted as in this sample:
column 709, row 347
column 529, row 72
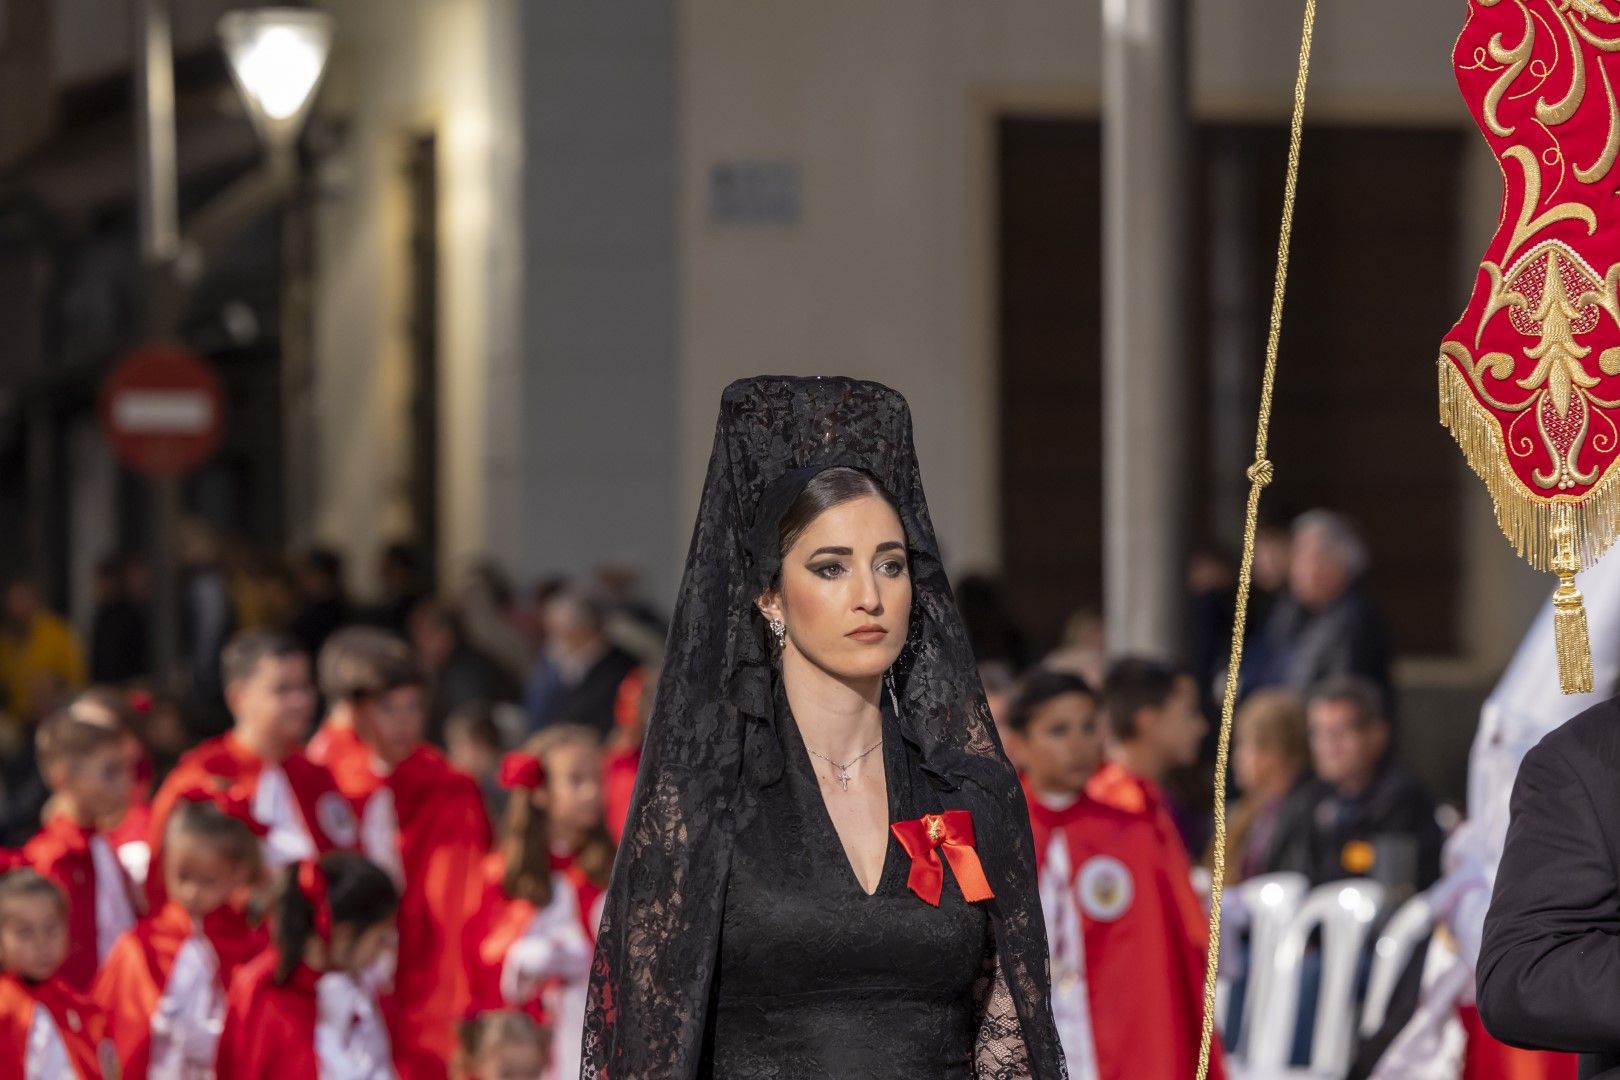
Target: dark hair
column 361, row 895
column 478, row 719
column 402, row 555
column 827, row 489
column 206, row 822
column 327, row 563
column 1039, row 687
column 525, row 844
column 1133, row 684
column 1351, row 690
column 25, row 881
column 433, row 612
column 243, row 653
column 63, row 738
column 358, row 663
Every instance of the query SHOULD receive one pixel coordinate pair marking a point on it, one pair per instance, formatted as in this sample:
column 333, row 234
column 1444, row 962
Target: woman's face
column 845, row 593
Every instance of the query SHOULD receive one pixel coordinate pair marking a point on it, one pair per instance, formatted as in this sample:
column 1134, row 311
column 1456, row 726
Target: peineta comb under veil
column 711, row 743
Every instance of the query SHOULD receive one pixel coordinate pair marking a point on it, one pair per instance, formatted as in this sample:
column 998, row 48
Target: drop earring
column 779, row 631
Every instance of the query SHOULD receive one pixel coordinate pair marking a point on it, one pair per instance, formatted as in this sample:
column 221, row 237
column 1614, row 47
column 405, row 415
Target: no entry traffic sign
column 162, row 409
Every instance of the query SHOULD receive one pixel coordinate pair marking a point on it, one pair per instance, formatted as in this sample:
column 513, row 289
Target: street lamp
column 277, row 58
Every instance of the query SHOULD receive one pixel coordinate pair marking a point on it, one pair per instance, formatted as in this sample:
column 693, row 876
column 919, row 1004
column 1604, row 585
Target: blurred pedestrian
column 1325, row 625
column 41, row 660
column 323, row 600
column 119, row 629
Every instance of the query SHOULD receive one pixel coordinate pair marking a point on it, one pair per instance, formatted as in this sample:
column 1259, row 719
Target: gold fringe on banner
column 1557, row 535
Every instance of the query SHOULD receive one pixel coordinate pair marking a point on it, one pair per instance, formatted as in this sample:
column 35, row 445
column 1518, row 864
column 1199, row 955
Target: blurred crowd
column 564, row 671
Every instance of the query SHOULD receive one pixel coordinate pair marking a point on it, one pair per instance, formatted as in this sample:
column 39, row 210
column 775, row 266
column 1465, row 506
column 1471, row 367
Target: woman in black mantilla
column 764, row 919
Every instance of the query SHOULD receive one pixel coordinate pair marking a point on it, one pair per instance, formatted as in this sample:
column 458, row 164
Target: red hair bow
column 12, row 859
column 233, row 802
column 521, row 770
column 312, row 883
column 953, row 832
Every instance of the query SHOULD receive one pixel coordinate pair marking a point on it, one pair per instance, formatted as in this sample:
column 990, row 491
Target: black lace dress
column 816, row 978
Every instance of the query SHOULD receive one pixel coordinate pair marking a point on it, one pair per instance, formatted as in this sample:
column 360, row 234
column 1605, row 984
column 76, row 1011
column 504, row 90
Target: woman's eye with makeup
column 894, row 568
column 829, row 571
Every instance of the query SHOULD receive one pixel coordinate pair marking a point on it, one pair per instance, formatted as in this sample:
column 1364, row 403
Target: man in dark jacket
column 1324, row 626
column 586, row 667
column 1549, row 967
column 1368, row 817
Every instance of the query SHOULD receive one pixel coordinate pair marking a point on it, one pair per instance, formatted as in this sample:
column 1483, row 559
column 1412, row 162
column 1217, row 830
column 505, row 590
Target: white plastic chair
column 1344, row 912
column 1410, row 926
column 1264, row 906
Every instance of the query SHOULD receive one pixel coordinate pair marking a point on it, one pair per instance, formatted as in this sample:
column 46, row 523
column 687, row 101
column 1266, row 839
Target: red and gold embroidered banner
column 1530, row 377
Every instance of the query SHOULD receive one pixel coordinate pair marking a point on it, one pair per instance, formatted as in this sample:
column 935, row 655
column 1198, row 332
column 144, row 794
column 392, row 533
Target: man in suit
column 1549, row 967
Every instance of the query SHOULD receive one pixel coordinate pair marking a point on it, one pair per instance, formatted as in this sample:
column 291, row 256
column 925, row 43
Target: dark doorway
column 1371, row 290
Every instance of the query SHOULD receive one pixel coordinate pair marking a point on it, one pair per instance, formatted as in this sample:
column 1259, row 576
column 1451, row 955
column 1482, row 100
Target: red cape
column 1145, row 937
column 501, row 920
column 332, row 743
column 61, row 851
column 269, row 1030
column 225, row 762
column 132, row 980
column 618, row 784
column 443, row 836
column 80, row 1023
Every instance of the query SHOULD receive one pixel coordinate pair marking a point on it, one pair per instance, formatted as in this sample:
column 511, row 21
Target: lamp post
column 277, row 58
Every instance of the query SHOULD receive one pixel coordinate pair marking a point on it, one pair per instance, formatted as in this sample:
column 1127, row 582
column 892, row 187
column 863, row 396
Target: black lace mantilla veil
column 711, row 743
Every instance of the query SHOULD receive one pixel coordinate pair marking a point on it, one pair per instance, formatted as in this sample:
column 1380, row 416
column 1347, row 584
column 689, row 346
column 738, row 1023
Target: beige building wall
column 404, row 68
column 885, row 110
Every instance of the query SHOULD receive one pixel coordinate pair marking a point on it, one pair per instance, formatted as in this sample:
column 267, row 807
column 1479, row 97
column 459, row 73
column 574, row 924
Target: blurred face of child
column 355, row 952
column 574, row 787
column 510, row 1061
column 1177, row 729
column 200, row 875
column 1062, row 745
column 394, row 723
column 33, row 936
column 469, row 753
column 274, row 706
column 98, row 784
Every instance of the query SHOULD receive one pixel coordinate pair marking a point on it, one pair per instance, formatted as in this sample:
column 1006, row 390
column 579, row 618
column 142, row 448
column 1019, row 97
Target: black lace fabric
column 714, row 761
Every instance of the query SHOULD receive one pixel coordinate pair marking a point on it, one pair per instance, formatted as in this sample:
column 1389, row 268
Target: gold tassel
column 1570, row 635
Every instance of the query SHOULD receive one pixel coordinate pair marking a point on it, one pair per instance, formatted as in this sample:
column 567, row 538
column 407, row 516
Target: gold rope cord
column 1260, row 474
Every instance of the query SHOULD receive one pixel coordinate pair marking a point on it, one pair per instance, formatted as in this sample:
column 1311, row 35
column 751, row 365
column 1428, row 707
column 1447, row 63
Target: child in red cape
column 535, row 930
column 503, row 1045
column 87, row 767
column 347, row 673
column 127, row 831
column 1125, row 929
column 271, row 699
column 302, row 1007
column 163, row 985
column 630, row 712
column 48, row 1031
column 425, row 823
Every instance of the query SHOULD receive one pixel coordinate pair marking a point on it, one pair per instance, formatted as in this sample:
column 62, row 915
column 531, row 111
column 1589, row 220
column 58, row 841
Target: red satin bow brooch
column 520, row 770
column 923, row 840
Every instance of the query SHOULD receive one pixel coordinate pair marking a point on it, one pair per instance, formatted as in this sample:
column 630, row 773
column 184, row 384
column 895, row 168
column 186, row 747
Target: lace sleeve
column 999, row 1052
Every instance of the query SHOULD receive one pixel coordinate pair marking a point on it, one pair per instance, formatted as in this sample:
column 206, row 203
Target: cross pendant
column 843, row 778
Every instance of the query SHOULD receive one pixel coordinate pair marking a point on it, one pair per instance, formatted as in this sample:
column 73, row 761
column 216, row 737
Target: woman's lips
column 869, row 635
